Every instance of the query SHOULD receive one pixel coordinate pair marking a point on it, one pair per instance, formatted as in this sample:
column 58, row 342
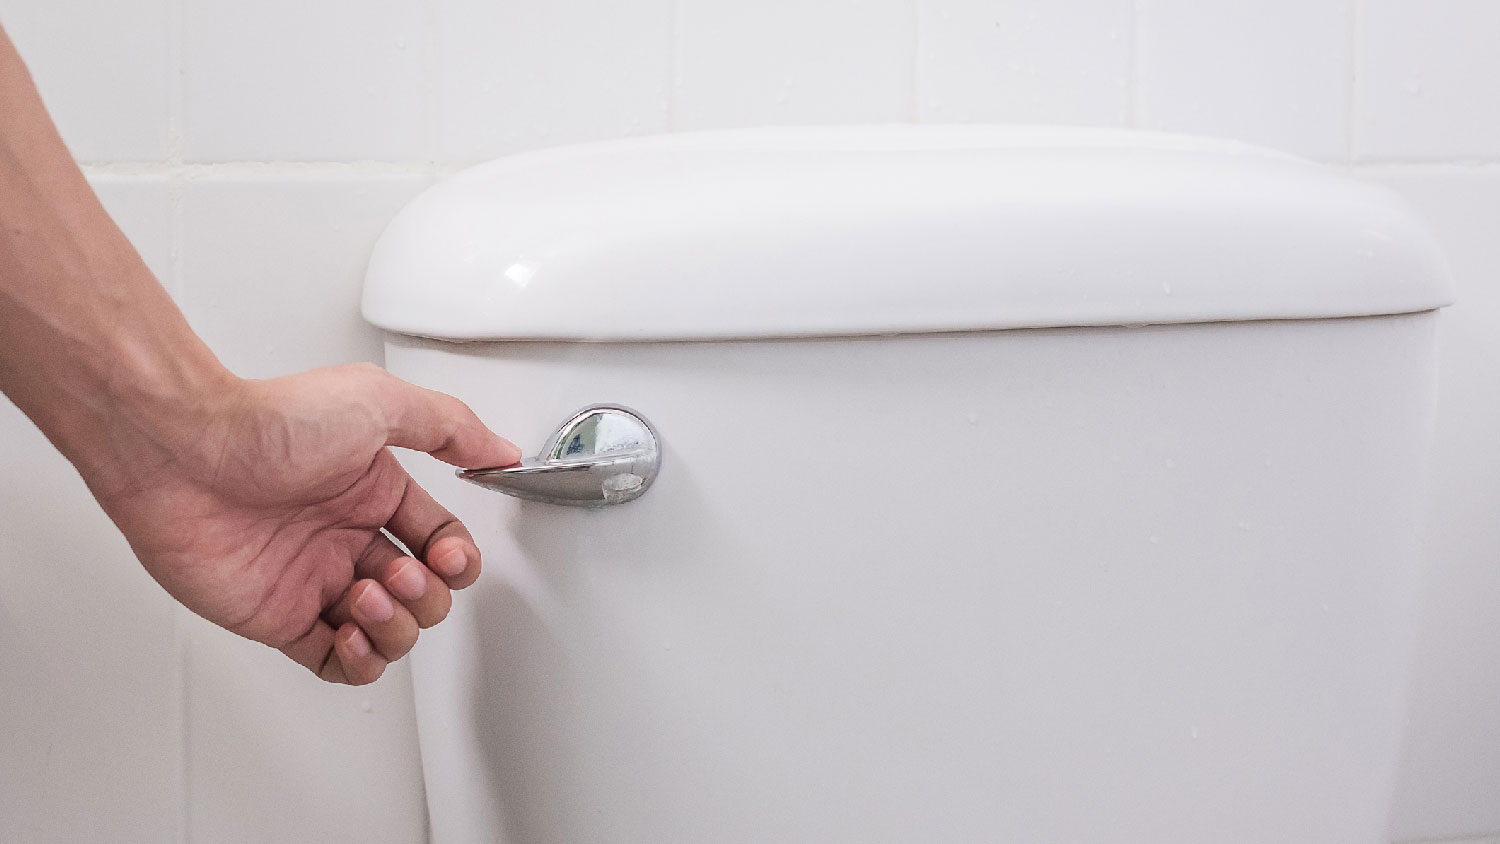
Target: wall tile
column 1273, row 72
column 1450, row 779
column 1024, row 61
column 274, row 754
column 788, row 62
column 272, row 267
column 517, row 74
column 1428, row 77
column 272, row 272
column 104, row 70
column 337, row 80
column 90, row 714
column 142, row 207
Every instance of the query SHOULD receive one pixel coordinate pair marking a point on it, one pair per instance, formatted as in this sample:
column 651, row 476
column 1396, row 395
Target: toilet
column 921, row 484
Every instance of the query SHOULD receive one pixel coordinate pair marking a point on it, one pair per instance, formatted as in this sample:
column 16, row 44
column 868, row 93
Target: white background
column 253, row 151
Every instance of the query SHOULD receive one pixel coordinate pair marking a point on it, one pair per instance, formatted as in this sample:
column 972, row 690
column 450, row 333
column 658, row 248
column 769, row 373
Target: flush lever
column 604, row 454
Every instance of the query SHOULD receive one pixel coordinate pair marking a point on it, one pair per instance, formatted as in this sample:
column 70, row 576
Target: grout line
column 1133, row 72
column 183, row 173
column 1483, row 839
column 184, row 734
column 1351, row 138
column 176, row 200
column 914, row 103
column 431, row 75
column 243, row 169
column 672, row 63
column 1455, row 165
column 176, row 149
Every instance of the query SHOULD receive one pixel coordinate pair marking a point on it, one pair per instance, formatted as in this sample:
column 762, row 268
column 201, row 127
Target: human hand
column 266, row 518
column 258, row 504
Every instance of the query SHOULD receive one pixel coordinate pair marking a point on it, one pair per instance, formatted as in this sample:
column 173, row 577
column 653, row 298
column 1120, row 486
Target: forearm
column 92, row 348
column 272, row 508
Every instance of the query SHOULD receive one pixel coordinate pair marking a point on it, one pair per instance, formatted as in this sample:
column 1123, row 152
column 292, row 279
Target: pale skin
column 257, row 504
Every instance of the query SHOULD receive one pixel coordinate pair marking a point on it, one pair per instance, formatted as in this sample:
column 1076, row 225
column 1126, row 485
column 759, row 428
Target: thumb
column 441, row 425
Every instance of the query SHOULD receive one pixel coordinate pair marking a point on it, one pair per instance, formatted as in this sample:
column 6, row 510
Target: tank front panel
column 1124, row 585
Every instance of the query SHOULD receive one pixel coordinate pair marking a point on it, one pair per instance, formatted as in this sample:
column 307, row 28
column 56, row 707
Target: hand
column 268, row 522
column 258, row 504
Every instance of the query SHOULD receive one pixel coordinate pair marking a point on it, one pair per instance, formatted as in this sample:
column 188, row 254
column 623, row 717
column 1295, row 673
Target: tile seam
column 1133, row 70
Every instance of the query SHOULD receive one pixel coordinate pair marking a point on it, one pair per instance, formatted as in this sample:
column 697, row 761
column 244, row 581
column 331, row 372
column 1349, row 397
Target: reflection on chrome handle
column 604, row 454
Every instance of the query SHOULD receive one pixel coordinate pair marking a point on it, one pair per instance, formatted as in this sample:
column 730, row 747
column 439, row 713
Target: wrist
column 159, row 409
column 133, row 393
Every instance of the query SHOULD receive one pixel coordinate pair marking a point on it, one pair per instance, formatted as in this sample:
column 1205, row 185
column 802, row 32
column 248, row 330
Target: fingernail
column 407, row 581
column 375, row 605
column 451, row 562
column 358, row 644
column 515, row 449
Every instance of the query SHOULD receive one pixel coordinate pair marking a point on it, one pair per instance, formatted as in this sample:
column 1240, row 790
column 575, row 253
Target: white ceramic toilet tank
column 1018, row 485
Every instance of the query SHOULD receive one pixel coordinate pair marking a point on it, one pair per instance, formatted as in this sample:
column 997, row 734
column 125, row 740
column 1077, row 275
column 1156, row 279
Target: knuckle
column 461, row 409
column 361, row 376
column 365, row 369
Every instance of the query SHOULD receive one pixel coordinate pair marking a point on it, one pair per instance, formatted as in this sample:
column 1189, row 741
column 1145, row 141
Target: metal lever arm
column 605, row 454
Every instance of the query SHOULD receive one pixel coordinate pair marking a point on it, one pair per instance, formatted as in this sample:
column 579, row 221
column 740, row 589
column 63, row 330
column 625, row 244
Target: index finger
column 441, row 425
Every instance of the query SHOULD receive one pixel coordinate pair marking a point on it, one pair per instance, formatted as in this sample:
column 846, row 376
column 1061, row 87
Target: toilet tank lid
column 893, row 229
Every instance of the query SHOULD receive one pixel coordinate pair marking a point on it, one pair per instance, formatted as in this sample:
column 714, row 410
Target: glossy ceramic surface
column 1129, row 585
column 895, row 229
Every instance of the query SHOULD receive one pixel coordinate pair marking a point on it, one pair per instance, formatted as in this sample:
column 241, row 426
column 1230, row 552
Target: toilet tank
column 1022, row 485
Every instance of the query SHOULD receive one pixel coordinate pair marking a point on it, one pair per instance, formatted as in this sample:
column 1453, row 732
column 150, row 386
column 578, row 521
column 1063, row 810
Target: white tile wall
column 274, row 756
column 518, row 74
column 1428, row 76
column 791, row 61
column 1024, row 61
column 272, row 265
column 267, row 256
column 104, row 69
column 1273, row 72
column 286, row 80
column 90, row 697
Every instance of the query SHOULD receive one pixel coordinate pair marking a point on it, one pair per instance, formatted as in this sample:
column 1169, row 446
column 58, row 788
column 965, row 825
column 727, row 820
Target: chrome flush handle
column 604, row 454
